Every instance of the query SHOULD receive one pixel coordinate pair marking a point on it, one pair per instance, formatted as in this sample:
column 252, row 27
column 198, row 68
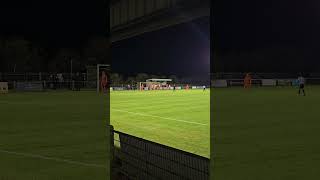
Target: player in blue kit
column 301, row 82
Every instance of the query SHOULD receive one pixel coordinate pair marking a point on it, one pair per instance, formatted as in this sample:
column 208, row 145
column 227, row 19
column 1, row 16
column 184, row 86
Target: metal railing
column 257, row 75
column 39, row 76
column 145, row 160
column 262, row 82
column 51, row 85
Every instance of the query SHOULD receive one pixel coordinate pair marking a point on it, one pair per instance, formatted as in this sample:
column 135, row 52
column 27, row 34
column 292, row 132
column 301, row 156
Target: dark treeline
column 44, row 36
column 20, row 54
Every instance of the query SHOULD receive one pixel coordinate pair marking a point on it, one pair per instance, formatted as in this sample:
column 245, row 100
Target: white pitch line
column 172, row 119
column 52, row 159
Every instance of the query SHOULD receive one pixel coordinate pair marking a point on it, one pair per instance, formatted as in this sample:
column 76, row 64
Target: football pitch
column 179, row 119
column 53, row 135
column 266, row 133
column 261, row 133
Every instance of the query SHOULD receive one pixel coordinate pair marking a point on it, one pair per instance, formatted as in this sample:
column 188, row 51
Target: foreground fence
column 145, row 160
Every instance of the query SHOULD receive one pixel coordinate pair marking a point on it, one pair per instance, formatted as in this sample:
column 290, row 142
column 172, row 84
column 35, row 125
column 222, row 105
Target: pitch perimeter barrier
column 37, row 76
column 123, row 88
column 29, row 86
column 314, row 81
column 145, row 160
column 257, row 75
column 263, row 82
column 51, row 85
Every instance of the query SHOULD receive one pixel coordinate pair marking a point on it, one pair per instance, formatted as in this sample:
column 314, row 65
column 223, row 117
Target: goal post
column 103, row 77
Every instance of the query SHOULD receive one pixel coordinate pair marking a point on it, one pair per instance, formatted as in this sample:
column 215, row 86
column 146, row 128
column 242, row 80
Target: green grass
column 265, row 133
column 262, row 133
column 48, row 135
column 179, row 119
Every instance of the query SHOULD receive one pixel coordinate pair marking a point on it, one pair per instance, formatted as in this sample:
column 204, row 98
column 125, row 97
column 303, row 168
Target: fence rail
column 256, row 75
column 39, row 76
column 264, row 82
column 145, row 160
column 51, row 85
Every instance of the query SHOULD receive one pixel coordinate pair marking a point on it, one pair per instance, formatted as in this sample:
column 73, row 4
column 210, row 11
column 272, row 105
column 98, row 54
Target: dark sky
column 267, row 35
column 54, row 23
column 179, row 50
column 250, row 35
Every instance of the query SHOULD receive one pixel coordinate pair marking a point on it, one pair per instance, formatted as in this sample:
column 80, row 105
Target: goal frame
column 149, row 82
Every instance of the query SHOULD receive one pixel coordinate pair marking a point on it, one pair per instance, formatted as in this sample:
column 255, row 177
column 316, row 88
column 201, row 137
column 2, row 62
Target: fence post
column 44, row 85
column 72, row 85
column 111, row 132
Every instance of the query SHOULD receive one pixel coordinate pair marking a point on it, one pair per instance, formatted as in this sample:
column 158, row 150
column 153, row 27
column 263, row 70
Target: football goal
column 155, row 84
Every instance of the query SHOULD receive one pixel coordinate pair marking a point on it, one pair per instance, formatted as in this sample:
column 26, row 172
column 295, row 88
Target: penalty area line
column 166, row 118
column 52, row 159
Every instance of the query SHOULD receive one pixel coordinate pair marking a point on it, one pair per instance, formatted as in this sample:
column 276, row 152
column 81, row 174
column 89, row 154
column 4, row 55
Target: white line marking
column 52, row 159
column 123, row 106
column 172, row 119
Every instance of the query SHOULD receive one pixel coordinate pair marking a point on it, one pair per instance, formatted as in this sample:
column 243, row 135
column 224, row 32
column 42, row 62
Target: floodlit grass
column 180, row 119
column 266, row 133
column 53, row 135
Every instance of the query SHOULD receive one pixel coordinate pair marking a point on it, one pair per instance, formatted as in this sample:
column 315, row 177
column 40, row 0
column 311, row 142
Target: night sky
column 54, row 23
column 182, row 50
column 266, row 35
column 250, row 35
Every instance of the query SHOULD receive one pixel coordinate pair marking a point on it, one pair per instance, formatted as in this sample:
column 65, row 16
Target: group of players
column 168, row 86
column 247, row 82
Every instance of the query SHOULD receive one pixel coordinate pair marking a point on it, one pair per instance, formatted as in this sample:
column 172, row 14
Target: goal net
column 155, row 84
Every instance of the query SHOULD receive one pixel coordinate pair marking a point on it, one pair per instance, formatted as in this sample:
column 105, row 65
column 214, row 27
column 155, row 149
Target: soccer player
column 204, row 88
column 103, row 82
column 174, row 87
column 301, row 81
column 247, row 81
